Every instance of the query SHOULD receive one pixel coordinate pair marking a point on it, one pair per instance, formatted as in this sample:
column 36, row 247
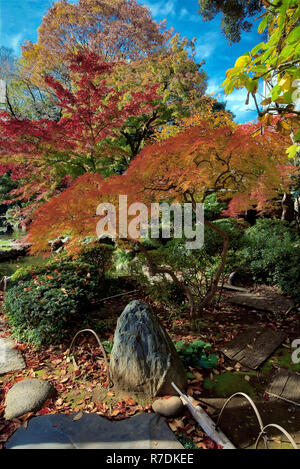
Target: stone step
column 10, row 358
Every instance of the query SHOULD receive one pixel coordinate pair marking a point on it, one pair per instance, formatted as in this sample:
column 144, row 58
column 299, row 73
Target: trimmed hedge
column 45, row 305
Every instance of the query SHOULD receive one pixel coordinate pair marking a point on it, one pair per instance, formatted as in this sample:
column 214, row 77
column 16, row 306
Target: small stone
column 171, row 407
column 27, row 396
column 10, row 358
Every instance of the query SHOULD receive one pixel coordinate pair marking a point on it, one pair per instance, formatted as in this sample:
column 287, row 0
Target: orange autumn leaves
column 239, row 168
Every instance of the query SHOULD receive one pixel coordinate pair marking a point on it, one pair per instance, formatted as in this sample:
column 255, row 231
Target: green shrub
column 212, row 207
column 195, row 267
column 46, row 304
column 98, row 255
column 271, row 255
column 196, row 354
column 213, row 243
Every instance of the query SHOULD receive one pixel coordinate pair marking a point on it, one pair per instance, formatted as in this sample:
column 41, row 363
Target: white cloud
column 206, row 45
column 236, row 102
column 15, row 41
column 186, row 15
column 161, row 8
column 214, row 86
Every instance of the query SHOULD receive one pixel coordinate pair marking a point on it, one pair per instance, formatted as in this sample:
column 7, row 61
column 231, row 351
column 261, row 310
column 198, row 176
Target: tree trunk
column 207, row 300
column 288, row 213
column 211, row 293
column 154, row 270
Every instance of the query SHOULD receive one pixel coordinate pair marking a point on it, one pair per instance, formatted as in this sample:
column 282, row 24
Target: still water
column 9, row 267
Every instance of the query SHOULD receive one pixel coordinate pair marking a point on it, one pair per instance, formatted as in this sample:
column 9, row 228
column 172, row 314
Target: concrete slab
column 91, row 431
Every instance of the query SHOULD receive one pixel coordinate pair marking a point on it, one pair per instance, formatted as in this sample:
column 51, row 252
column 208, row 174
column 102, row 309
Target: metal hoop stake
column 260, row 422
column 101, row 347
column 273, row 425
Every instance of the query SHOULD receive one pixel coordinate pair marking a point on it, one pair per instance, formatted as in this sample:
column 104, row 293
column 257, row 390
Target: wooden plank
column 263, row 347
column 286, row 384
column 227, row 286
column 279, row 382
column 240, row 342
column 268, row 302
column 254, row 347
column 292, row 388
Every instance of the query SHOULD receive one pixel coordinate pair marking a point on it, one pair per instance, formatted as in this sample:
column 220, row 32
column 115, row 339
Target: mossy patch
column 40, row 373
column 49, row 370
column 76, row 397
column 112, row 396
column 226, row 384
column 282, row 358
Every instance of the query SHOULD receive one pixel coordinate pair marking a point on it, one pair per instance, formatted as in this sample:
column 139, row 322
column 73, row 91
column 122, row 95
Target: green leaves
column 257, row 48
column 293, row 150
column 195, row 354
column 45, row 304
column 243, row 61
column 294, row 35
column 262, row 26
column 277, row 63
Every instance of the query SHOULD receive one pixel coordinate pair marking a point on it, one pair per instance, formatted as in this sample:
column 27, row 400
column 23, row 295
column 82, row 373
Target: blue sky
column 19, row 20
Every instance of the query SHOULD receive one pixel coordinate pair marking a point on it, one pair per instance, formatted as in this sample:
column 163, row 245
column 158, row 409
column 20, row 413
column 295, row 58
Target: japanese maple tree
column 91, row 113
column 47, row 152
column 184, row 168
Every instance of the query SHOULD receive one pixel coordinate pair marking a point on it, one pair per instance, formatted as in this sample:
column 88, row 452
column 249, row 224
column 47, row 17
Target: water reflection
column 9, row 267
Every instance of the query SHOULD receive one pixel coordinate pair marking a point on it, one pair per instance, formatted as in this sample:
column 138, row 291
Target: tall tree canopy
column 22, row 97
column 235, row 15
column 182, row 84
column 116, row 29
column 92, row 111
column 124, row 32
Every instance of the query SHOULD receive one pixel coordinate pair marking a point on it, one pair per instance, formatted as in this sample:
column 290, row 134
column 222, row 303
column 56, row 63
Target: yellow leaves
column 205, row 114
column 285, row 83
column 266, row 102
column 293, row 150
column 230, row 72
column 256, row 133
column 267, row 119
column 243, row 61
column 284, row 127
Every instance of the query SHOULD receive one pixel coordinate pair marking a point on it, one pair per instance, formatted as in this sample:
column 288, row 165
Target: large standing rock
column 143, row 358
column 27, row 396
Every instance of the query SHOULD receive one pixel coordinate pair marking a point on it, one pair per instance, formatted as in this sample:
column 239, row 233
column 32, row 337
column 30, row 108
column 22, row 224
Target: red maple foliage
column 91, row 112
column 44, row 150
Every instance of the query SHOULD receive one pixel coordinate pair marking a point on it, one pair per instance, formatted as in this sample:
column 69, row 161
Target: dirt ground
column 84, row 388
